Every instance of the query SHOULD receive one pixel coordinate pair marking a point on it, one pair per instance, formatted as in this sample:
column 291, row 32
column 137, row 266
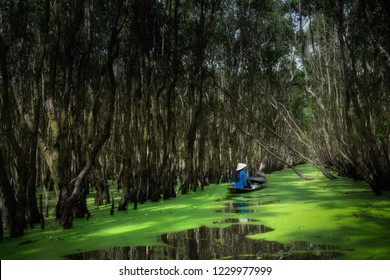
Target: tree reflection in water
column 238, row 206
column 216, row 243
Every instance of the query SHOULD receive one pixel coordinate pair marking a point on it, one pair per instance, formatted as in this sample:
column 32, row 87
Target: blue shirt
column 243, row 180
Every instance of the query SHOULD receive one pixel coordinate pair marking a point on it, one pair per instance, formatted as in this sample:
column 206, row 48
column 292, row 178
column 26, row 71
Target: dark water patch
column 358, row 192
column 362, row 214
column 257, row 196
column 234, row 221
column 123, row 253
column 236, row 210
column 304, row 256
column 238, row 205
column 305, row 250
column 235, row 197
column 222, row 199
column 27, row 242
column 215, row 243
column 246, row 195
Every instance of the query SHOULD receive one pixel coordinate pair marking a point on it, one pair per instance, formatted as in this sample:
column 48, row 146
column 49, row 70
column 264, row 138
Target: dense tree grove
column 166, row 96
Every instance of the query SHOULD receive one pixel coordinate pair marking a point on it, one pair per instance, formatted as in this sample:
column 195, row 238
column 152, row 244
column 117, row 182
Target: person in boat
column 240, row 177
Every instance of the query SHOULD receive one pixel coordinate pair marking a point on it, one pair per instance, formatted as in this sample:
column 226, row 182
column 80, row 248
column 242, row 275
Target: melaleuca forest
column 198, row 130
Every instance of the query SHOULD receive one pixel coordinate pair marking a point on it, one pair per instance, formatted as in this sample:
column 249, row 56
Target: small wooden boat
column 256, row 183
column 232, row 189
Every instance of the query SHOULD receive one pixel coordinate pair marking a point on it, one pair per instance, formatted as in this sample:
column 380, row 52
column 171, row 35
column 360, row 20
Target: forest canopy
column 166, row 94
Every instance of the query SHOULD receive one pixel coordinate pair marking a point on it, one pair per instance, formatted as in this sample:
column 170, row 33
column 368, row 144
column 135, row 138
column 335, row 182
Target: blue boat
column 255, row 183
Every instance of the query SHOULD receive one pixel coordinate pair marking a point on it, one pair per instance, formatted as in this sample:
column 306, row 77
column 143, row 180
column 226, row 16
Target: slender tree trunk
column 77, row 196
column 14, row 218
column 1, row 224
column 32, row 207
column 14, row 203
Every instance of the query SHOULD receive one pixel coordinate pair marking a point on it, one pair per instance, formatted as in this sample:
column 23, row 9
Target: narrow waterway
column 289, row 219
column 230, row 242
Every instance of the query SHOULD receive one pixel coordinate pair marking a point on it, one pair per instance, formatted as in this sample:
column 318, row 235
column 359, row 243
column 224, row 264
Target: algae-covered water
column 289, row 219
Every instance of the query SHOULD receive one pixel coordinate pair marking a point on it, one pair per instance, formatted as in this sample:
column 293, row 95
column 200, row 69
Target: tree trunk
column 13, row 212
column 1, row 224
column 127, row 186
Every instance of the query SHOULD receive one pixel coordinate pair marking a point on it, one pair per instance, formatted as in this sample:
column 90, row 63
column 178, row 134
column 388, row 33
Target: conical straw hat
column 240, row 166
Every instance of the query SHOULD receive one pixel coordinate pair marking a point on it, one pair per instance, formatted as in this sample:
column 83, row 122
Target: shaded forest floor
column 341, row 212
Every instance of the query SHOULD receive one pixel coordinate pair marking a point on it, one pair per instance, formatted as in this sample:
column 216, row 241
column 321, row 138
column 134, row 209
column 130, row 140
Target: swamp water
column 206, row 243
column 289, row 219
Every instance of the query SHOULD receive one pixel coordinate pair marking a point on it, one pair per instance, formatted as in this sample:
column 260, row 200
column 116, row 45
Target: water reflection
column 245, row 203
column 215, row 243
column 357, row 192
column 238, row 205
column 240, row 196
column 239, row 220
column 256, row 196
